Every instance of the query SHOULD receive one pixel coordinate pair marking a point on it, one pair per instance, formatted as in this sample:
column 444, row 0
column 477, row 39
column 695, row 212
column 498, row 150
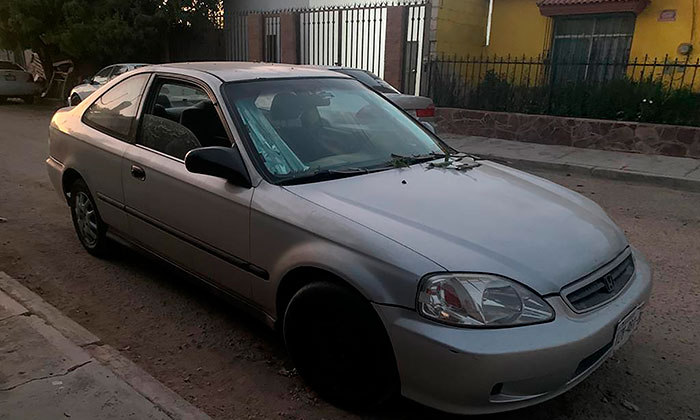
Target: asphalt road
column 232, row 367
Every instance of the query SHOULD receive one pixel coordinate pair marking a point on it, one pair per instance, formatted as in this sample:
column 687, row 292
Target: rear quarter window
column 114, row 112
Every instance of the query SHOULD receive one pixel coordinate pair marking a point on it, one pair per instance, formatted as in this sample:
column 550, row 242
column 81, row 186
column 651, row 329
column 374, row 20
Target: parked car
column 16, row 82
column 420, row 107
column 83, row 90
column 389, row 262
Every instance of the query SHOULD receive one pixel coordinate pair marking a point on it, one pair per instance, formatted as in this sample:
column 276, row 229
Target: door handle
column 138, row 172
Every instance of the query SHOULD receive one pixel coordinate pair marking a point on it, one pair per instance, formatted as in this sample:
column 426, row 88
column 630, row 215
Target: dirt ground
column 233, row 367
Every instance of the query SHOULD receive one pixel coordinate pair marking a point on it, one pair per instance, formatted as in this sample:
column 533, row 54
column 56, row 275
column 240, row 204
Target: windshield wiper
column 403, row 161
column 325, row 175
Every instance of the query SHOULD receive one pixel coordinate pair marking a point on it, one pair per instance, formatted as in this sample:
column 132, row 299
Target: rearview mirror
column 221, row 162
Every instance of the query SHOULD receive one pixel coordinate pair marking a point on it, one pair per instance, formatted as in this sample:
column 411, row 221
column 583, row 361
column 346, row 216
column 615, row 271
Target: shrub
column 648, row 100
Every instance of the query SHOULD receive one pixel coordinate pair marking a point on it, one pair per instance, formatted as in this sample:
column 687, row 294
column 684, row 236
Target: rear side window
column 115, row 111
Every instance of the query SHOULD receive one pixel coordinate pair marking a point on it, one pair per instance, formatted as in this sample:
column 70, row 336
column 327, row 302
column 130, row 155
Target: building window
column 591, row 47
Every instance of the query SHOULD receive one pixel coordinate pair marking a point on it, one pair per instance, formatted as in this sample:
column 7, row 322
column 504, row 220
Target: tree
column 97, row 32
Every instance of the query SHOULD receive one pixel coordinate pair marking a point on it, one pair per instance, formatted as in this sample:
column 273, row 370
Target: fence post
column 289, row 31
column 396, row 26
column 255, row 37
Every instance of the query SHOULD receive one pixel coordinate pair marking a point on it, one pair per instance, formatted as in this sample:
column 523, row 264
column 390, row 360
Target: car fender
column 379, row 268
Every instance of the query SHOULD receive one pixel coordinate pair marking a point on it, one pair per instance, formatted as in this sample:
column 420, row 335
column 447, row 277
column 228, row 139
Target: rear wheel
column 91, row 230
column 28, row 99
column 339, row 346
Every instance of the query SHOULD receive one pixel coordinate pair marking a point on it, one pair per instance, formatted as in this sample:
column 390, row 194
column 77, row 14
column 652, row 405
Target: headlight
column 480, row 300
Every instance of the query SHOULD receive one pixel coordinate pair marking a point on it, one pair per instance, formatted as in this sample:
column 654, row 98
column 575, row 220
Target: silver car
column 389, row 262
column 83, row 90
column 16, row 82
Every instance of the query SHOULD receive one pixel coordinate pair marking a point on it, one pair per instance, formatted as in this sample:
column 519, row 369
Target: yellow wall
column 461, row 27
column 660, row 38
column 517, row 28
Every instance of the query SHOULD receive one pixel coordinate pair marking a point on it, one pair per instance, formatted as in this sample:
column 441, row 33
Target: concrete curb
column 21, row 301
column 600, row 172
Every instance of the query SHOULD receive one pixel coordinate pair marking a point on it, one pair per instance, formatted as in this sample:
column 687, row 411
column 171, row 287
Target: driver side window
column 180, row 117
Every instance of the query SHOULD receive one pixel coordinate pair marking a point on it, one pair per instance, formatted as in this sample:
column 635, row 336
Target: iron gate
column 356, row 37
column 348, row 36
column 236, row 28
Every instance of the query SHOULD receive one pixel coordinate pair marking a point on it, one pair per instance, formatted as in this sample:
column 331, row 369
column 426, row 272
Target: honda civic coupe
column 390, row 262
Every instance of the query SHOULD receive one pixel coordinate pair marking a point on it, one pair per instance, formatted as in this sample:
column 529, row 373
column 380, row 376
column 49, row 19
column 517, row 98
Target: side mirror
column 429, row 126
column 222, row 162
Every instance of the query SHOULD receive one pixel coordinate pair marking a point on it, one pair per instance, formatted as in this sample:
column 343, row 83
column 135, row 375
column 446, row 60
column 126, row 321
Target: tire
column 29, row 100
column 91, row 230
column 339, row 346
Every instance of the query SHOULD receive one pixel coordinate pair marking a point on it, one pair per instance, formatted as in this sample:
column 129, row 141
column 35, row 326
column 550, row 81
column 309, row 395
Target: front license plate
column 626, row 327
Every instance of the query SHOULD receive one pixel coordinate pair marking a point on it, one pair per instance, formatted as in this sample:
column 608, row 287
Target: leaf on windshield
column 454, row 164
column 400, row 162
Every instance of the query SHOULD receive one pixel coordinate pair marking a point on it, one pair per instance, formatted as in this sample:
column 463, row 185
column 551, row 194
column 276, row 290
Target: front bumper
column 478, row 371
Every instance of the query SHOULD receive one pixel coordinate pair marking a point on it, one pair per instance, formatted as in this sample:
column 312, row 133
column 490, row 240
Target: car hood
column 490, row 219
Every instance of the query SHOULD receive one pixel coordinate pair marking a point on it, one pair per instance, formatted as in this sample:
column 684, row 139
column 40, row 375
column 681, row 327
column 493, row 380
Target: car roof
column 335, row 68
column 232, row 71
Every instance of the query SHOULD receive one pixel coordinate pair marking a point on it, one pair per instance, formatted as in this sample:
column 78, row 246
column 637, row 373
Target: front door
column 196, row 221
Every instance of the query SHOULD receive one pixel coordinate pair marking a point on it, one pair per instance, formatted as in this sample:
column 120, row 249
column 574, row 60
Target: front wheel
column 339, row 346
column 91, row 230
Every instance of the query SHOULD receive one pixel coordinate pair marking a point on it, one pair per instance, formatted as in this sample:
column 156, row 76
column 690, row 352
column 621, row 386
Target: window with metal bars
column 591, row 48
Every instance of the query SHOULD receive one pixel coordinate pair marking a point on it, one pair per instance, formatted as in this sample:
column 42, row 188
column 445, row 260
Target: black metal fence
column 272, row 48
column 322, row 34
column 236, row 30
column 349, row 35
column 344, row 36
column 640, row 89
column 416, row 47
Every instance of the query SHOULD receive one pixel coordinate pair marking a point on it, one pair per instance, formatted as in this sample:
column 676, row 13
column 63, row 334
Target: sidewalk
column 667, row 171
column 52, row 368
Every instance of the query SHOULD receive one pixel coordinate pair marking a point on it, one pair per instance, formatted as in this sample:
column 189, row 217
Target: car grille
column 602, row 289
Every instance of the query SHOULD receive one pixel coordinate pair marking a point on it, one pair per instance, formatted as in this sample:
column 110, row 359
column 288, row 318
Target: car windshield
column 370, row 80
column 304, row 127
